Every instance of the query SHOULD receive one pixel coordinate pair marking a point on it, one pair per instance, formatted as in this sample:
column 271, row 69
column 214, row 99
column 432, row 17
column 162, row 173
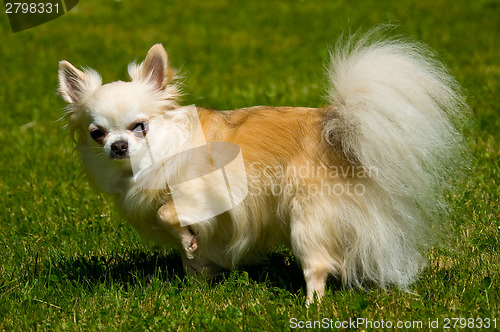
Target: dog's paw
column 189, row 243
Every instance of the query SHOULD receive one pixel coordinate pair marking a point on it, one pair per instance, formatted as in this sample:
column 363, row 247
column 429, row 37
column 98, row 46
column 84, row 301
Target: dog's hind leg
column 312, row 246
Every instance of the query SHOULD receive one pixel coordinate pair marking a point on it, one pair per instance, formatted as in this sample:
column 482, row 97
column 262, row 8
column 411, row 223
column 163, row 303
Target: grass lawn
column 67, row 260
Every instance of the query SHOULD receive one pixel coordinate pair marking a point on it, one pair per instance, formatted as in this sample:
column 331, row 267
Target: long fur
column 352, row 188
column 395, row 108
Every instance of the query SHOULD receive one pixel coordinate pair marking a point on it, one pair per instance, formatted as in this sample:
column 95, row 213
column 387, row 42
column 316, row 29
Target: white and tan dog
column 351, row 188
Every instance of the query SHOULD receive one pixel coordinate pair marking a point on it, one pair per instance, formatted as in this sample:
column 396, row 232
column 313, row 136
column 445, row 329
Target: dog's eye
column 140, row 128
column 97, row 135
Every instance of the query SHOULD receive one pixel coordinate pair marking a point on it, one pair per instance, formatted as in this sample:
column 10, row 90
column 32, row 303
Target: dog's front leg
column 168, row 215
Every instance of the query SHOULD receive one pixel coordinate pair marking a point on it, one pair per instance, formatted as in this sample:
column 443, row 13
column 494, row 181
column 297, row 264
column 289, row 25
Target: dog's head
column 115, row 118
column 115, row 122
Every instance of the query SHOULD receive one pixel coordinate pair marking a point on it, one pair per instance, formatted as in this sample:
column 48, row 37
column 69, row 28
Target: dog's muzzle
column 119, row 150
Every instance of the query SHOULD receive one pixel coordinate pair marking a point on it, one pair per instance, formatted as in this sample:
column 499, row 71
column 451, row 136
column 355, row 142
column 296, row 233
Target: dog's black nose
column 119, row 148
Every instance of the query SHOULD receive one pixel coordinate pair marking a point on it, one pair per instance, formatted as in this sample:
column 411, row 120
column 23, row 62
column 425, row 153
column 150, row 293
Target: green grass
column 68, row 262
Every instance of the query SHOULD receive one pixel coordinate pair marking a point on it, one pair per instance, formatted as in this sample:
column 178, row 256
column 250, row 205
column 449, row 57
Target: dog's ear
column 74, row 83
column 154, row 69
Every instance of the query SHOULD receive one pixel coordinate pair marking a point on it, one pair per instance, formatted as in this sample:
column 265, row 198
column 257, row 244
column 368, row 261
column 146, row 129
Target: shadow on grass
column 136, row 266
column 283, row 271
column 125, row 267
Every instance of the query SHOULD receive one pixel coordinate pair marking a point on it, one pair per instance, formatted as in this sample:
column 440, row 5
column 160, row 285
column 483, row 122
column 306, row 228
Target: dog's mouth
column 115, row 156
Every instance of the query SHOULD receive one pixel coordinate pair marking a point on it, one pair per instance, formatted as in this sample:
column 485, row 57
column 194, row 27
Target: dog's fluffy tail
column 394, row 112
